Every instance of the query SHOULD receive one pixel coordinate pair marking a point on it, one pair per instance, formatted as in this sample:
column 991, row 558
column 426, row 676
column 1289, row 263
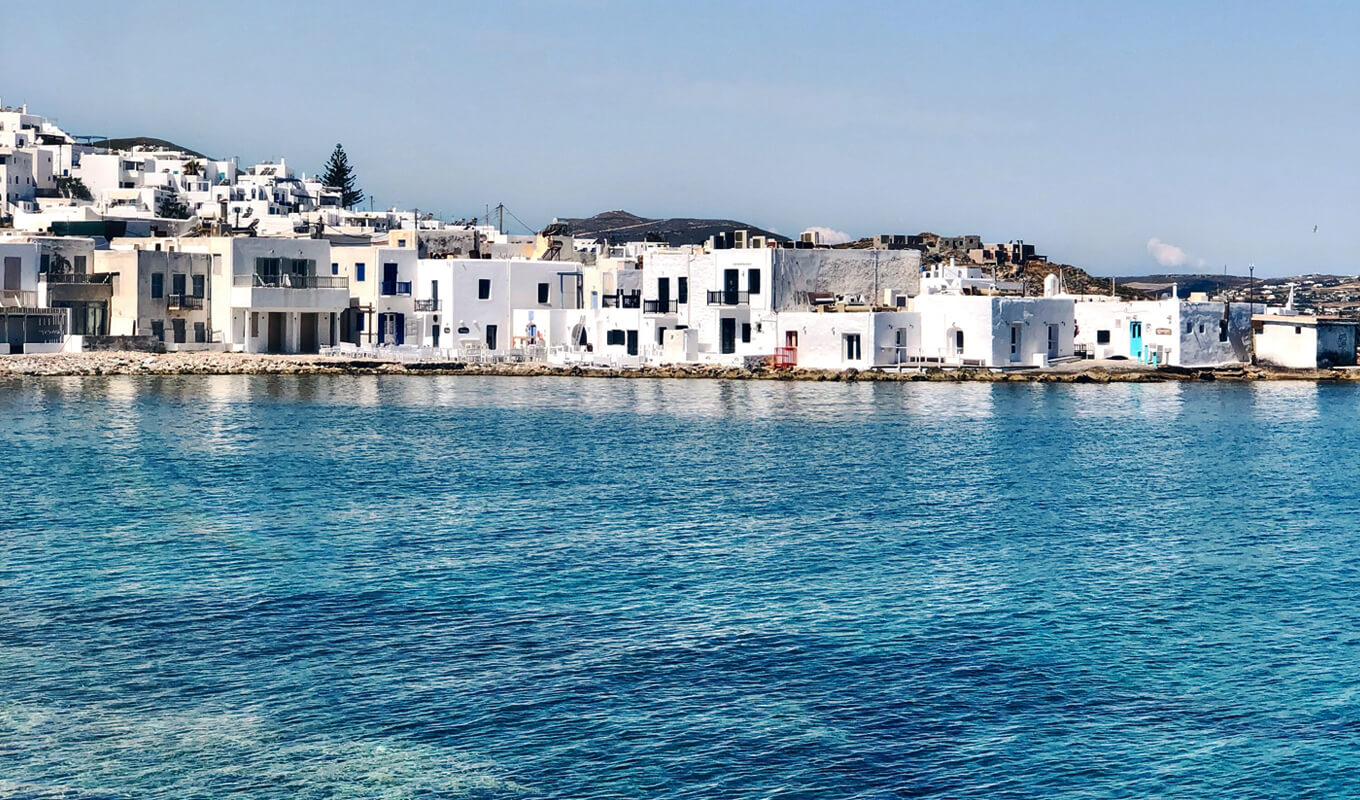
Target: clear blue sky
column 1227, row 130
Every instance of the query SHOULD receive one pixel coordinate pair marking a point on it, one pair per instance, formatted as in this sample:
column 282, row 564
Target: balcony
column 290, row 292
column 184, row 302
column 427, row 305
column 660, row 306
column 394, row 288
column 632, row 300
column 729, row 298
column 293, row 281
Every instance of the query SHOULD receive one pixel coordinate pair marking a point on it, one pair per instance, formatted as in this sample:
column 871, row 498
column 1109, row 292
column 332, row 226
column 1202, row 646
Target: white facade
column 1171, row 332
column 973, row 330
column 1304, row 342
column 848, row 340
column 273, row 295
column 470, row 304
column 167, row 295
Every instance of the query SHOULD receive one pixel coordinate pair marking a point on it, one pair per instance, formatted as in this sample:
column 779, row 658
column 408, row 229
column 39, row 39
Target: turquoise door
column 1136, row 340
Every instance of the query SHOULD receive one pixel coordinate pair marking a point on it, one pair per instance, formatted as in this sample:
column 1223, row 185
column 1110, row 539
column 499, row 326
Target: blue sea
column 395, row 587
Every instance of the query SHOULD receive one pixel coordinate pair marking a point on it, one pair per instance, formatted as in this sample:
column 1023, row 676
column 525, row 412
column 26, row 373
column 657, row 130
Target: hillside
column 147, row 142
column 621, row 226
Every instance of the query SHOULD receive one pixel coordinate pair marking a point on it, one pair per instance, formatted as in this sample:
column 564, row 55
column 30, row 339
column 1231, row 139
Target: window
column 44, row 260
column 543, row 293
column 484, row 289
column 335, row 268
column 852, row 351
column 746, row 332
column 1201, row 327
column 359, row 271
column 753, row 281
column 177, row 284
column 594, row 299
column 1298, row 329
column 1102, row 337
column 200, row 332
column 1189, row 326
column 158, row 329
column 958, row 341
column 199, row 287
column 682, row 290
column 1223, row 330
column 614, row 337
column 80, row 265
column 157, row 285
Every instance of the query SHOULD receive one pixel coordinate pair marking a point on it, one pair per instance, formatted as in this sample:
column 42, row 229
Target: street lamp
column 1251, row 308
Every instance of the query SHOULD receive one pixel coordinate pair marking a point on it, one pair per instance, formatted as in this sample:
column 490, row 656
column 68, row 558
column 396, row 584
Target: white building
column 1171, row 332
column 470, row 304
column 382, row 302
column 272, row 295
column 994, row 331
column 163, row 294
column 848, row 340
column 1299, row 341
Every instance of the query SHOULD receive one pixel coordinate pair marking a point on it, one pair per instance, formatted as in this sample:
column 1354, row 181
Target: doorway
column 308, row 334
column 727, row 333
column 274, row 337
column 1136, row 339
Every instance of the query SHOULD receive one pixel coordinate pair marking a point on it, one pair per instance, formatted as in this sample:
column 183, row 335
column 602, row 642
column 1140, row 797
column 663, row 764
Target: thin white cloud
column 1169, row 255
column 831, row 236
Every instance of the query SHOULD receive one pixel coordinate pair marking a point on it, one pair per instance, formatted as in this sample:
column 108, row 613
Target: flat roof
column 1302, row 319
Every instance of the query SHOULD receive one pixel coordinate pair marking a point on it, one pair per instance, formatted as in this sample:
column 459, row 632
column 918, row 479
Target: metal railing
column 729, row 298
column 183, row 301
column 83, row 277
column 390, row 288
column 288, row 281
column 632, row 300
column 660, row 306
column 427, row 305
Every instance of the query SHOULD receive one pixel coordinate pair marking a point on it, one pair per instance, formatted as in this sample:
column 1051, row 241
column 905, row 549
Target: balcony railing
column 729, row 298
column 390, row 288
column 427, row 305
column 184, row 302
column 292, row 281
column 660, row 306
column 84, row 277
column 621, row 301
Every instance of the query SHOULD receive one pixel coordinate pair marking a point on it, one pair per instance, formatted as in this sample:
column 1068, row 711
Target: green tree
column 73, row 188
column 172, row 208
column 340, row 176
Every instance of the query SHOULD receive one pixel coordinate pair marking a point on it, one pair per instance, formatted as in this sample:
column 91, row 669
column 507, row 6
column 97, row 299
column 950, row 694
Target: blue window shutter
column 401, row 329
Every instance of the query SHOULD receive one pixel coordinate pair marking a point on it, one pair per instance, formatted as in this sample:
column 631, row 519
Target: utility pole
column 500, row 217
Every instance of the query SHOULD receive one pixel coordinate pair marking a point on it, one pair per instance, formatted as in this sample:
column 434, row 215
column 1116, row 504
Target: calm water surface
column 315, row 587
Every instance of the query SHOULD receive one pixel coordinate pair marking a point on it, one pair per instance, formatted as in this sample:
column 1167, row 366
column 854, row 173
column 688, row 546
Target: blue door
column 1136, row 340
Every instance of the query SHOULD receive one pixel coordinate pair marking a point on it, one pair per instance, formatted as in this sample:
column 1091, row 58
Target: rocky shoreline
column 129, row 363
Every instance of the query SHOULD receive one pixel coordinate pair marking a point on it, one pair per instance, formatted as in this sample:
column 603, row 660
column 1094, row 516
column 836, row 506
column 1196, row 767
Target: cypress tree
column 339, row 175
